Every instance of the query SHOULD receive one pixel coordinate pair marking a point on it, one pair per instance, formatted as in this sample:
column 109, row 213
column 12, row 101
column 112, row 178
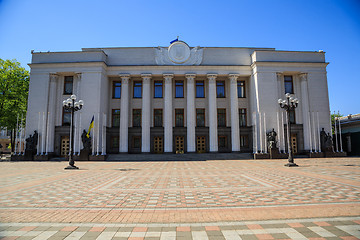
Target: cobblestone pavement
column 223, row 199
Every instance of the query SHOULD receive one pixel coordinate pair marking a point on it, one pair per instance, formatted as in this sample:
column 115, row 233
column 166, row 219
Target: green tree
column 14, row 88
column 333, row 116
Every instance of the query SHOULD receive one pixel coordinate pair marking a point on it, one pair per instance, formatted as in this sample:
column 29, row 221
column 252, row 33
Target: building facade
column 177, row 98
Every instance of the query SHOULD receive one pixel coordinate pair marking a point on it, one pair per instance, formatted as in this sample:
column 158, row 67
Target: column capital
column 125, row 78
column 146, row 78
column 233, row 77
column 303, row 76
column 168, row 75
column 190, row 75
column 211, row 77
column 53, row 77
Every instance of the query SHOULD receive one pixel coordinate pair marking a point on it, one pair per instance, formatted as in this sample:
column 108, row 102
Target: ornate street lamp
column 70, row 104
column 289, row 104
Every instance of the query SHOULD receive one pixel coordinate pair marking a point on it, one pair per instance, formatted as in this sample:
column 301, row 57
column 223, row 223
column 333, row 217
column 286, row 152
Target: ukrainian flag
column 90, row 127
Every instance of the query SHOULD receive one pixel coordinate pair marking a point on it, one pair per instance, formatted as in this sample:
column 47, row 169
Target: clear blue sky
column 329, row 25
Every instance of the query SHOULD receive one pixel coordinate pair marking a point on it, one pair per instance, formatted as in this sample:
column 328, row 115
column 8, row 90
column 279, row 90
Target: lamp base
column 291, row 165
column 71, row 167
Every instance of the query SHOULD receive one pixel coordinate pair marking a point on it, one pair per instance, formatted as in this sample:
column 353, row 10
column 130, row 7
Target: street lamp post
column 289, row 104
column 73, row 106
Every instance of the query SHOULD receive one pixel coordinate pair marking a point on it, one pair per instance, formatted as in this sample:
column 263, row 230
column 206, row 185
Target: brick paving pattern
column 223, row 199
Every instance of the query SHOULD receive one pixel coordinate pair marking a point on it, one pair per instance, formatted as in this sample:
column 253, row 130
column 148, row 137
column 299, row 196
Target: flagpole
column 98, row 135
column 43, row 135
column 21, row 133
column 47, row 133
column 93, row 145
column 79, row 132
column 265, row 140
column 16, row 133
column 278, row 125
column 38, row 143
column 310, row 138
column 103, row 140
column 318, row 130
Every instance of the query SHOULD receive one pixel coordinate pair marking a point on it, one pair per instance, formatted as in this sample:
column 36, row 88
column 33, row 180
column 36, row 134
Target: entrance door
column 200, row 144
column 158, row 145
column 179, row 144
column 65, row 146
column 294, row 143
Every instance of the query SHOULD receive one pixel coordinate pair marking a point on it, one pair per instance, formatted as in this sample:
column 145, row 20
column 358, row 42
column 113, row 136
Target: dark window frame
column 112, row 140
column 203, row 88
column 218, row 119
column 114, row 89
column 183, row 117
column 133, row 142
column 182, row 86
column 241, row 84
column 288, row 79
column 162, row 88
column 242, row 114
column 134, row 86
column 225, row 141
column 162, row 118
column 113, row 114
column 245, row 139
column 197, row 125
column 133, row 117
column 65, row 111
column 218, row 85
column 66, row 81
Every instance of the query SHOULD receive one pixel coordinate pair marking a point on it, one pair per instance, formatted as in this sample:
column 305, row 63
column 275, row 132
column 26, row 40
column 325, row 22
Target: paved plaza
column 213, row 199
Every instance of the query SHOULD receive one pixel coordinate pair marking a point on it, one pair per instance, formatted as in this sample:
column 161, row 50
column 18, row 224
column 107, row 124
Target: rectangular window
column 137, row 89
column 288, row 83
column 158, row 117
column 158, row 89
column 242, row 117
column 68, row 85
column 221, row 117
column 116, row 90
column 114, row 142
column 292, row 117
column 200, row 117
column 136, row 142
column 115, row 118
column 222, row 142
column 200, row 89
column 179, row 89
column 179, row 117
column 66, row 117
column 241, row 89
column 220, row 89
column 244, row 141
column 136, row 117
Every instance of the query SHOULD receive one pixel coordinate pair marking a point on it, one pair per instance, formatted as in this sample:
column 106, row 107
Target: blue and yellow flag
column 90, row 127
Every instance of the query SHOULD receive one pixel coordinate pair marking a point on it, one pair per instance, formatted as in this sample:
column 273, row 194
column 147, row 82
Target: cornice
column 289, row 64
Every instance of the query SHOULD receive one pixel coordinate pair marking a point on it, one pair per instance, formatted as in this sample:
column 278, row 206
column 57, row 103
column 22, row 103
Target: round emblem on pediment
column 179, row 52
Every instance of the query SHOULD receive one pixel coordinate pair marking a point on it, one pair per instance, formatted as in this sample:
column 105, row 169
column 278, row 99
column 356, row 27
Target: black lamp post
column 289, row 104
column 73, row 106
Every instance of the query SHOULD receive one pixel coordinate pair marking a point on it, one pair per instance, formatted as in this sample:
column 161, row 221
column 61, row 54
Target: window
column 158, row 89
column 244, row 141
column 200, row 89
column 114, row 142
column 179, row 117
column 200, row 117
column 292, row 116
column 136, row 117
column 137, row 89
column 116, row 90
column 241, row 89
column 66, row 117
column 220, row 89
column 136, row 142
column 179, row 89
column 115, row 118
column 158, row 117
column 288, row 83
column 242, row 117
column 68, row 85
column 221, row 117
column 222, row 142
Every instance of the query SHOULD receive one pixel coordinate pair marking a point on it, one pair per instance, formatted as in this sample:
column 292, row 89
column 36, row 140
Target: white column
column 212, row 113
column 304, row 101
column 52, row 110
column 124, row 114
column 190, row 112
column 168, row 113
column 145, row 114
column 234, row 113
